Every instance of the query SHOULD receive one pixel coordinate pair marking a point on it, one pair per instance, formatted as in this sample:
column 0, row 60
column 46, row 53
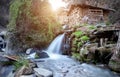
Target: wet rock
column 29, row 51
column 28, row 75
column 114, row 64
column 27, row 71
column 6, row 71
column 32, row 56
column 104, row 49
column 24, row 71
column 103, row 54
column 66, row 67
column 3, row 59
column 42, row 54
column 34, row 53
column 92, row 47
column 11, row 74
column 91, row 51
column 41, row 72
column 19, row 72
column 32, row 64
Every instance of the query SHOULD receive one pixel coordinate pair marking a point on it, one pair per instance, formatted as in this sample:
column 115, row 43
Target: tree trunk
column 115, row 60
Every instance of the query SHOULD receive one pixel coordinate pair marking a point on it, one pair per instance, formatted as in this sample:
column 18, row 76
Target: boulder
column 42, row 54
column 99, row 54
column 41, row 72
column 24, row 71
column 3, row 59
column 114, row 62
column 11, row 74
column 29, row 51
column 103, row 50
column 114, row 65
column 27, row 71
column 92, row 47
column 6, row 71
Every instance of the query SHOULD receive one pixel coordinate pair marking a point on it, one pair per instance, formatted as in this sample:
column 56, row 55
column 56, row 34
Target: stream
column 63, row 66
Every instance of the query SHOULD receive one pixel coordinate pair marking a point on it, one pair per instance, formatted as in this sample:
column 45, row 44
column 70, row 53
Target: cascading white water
column 56, row 45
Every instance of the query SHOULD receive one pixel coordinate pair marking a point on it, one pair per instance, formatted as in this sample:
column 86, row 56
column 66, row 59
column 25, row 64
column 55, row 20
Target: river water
column 64, row 66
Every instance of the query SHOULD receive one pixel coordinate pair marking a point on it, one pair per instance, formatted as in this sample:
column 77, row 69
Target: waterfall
column 118, row 44
column 56, row 45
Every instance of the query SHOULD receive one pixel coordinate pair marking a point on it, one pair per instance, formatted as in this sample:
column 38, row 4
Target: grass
column 21, row 62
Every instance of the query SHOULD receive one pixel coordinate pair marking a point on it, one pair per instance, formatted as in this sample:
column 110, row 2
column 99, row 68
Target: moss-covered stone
column 114, row 65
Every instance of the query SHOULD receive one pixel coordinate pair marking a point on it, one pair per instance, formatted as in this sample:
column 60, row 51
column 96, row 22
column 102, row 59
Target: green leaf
column 84, row 38
column 78, row 33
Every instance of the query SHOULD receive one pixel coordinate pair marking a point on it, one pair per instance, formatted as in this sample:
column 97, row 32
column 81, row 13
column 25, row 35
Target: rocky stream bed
column 60, row 66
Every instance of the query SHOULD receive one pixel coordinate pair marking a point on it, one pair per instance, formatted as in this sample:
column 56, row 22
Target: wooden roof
column 89, row 3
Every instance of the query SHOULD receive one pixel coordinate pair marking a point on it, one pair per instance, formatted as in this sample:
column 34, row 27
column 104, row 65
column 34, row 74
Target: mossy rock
column 91, row 27
column 74, row 49
column 76, row 55
column 78, row 34
column 114, row 65
column 75, row 41
column 79, row 44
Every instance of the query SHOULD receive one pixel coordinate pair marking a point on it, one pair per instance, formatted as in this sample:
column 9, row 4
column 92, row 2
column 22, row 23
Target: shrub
column 91, row 27
column 84, row 38
column 32, row 24
column 74, row 49
column 76, row 55
column 108, row 23
column 21, row 62
column 84, row 24
column 78, row 33
column 79, row 44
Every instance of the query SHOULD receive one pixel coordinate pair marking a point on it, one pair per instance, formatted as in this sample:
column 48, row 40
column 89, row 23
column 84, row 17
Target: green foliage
column 84, row 24
column 108, row 23
column 75, row 41
column 91, row 27
column 21, row 62
column 6, row 63
column 32, row 23
column 78, row 33
column 81, row 56
column 76, row 55
column 77, row 25
column 36, row 56
column 84, row 38
column 79, row 44
column 74, row 49
column 14, row 12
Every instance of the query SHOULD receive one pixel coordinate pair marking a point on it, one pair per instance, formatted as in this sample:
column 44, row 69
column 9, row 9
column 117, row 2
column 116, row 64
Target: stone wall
column 75, row 16
column 62, row 18
column 91, row 15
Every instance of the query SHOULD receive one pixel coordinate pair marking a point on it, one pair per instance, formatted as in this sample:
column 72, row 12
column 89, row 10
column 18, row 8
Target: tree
column 32, row 24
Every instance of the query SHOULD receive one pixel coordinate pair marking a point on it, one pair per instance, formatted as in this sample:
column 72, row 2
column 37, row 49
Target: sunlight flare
column 56, row 4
